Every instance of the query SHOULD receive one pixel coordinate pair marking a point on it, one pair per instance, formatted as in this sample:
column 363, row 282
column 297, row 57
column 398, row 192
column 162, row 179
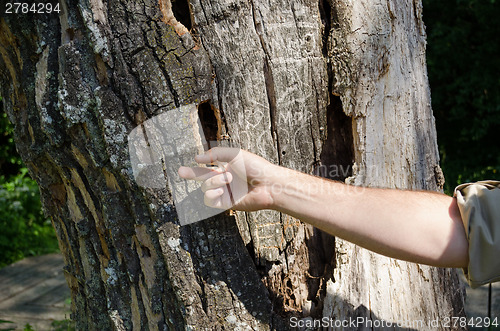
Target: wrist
column 270, row 180
column 282, row 182
column 289, row 189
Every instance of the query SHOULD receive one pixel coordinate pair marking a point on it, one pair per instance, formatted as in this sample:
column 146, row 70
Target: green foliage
column 464, row 74
column 28, row 327
column 25, row 230
column 6, row 322
column 64, row 325
column 10, row 162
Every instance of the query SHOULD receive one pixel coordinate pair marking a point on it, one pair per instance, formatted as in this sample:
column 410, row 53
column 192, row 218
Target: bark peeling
column 170, row 19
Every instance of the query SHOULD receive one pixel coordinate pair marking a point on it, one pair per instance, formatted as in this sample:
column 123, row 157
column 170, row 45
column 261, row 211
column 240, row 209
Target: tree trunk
column 336, row 88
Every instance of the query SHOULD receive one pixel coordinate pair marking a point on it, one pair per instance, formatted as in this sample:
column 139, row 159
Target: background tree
column 333, row 85
column 464, row 75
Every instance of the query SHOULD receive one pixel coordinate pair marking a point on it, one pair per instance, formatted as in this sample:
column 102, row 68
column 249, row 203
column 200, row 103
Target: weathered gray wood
column 315, row 86
column 377, row 49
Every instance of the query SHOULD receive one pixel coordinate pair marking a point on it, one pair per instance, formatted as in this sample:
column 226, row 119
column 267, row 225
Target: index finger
column 222, row 154
column 198, row 173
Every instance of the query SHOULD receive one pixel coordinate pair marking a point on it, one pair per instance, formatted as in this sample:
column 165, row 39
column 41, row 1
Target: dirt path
column 34, row 291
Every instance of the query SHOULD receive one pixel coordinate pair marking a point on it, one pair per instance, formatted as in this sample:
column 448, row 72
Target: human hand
column 250, row 178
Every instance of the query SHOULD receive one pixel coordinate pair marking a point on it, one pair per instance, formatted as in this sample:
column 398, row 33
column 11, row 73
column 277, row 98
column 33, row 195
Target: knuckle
column 208, row 202
column 219, row 181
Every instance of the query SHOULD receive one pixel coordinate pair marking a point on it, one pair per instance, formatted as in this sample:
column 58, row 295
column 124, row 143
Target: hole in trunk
column 337, row 156
column 145, row 251
column 211, row 124
column 180, row 8
column 336, row 160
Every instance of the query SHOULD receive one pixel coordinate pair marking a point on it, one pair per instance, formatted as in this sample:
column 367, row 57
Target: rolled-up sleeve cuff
column 479, row 205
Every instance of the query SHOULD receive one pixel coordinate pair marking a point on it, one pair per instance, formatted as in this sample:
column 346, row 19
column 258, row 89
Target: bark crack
column 271, row 97
column 214, row 71
column 164, row 71
column 327, row 16
column 268, row 79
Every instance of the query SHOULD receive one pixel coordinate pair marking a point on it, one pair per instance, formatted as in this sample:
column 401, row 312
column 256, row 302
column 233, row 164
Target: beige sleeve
column 479, row 205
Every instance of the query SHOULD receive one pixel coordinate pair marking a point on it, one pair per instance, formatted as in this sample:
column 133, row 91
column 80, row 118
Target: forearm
column 422, row 227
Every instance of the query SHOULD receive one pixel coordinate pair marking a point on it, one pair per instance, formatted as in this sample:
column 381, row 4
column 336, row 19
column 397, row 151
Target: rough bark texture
column 336, row 88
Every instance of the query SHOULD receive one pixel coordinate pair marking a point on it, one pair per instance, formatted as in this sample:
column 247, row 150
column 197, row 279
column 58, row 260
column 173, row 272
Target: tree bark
column 335, row 88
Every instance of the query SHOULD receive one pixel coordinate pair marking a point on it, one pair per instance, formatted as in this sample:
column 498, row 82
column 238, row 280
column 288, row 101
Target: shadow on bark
column 225, row 278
